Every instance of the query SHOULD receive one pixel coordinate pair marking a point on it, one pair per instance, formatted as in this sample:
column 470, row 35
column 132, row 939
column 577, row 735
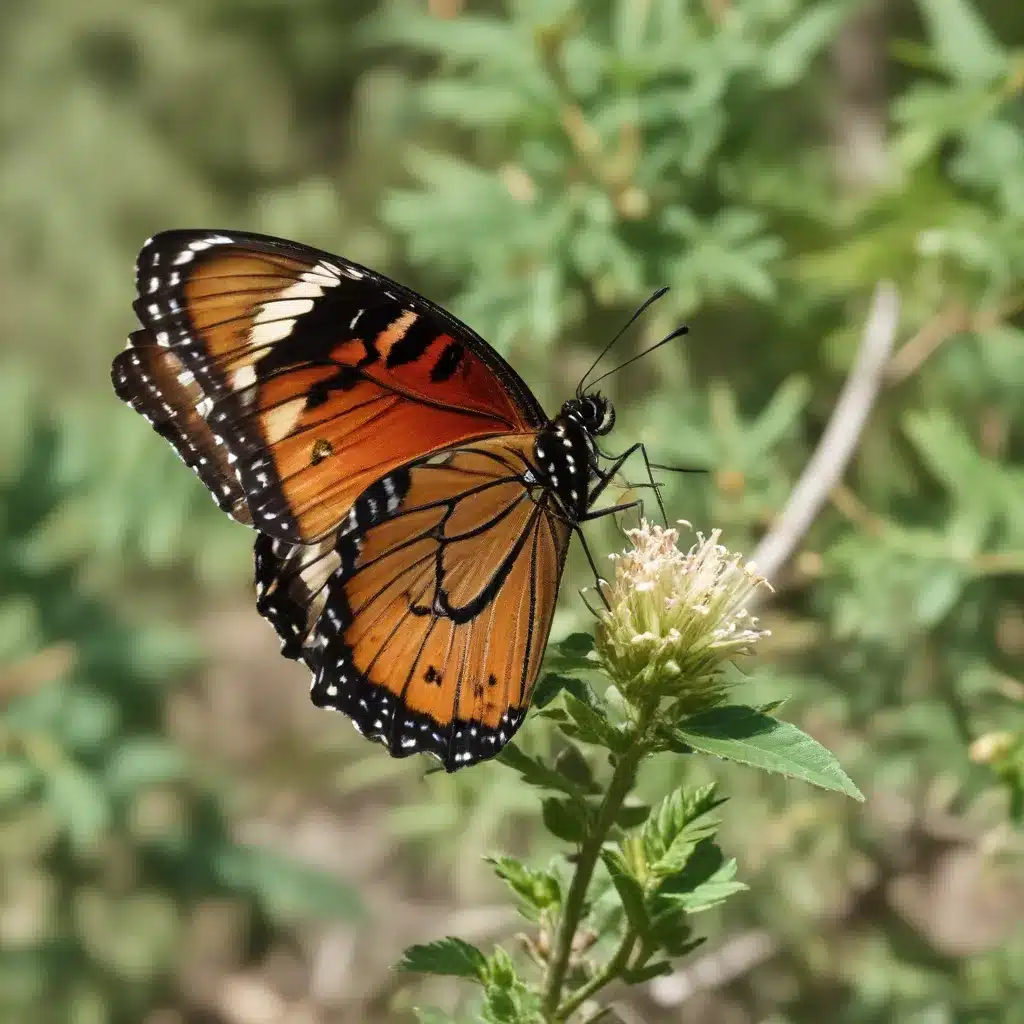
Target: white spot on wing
column 266, row 333
column 243, row 378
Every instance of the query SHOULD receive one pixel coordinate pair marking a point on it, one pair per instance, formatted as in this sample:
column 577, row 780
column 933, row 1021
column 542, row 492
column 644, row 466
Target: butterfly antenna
column 654, row 298
column 677, row 333
column 680, row 469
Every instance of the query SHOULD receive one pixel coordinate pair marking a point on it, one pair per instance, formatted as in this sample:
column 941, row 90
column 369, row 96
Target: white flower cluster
column 677, row 615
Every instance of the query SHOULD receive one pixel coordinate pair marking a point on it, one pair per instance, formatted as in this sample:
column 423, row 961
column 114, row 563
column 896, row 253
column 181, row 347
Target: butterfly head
column 593, row 412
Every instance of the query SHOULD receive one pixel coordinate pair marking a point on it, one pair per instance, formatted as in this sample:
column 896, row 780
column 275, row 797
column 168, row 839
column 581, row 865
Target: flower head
column 676, row 618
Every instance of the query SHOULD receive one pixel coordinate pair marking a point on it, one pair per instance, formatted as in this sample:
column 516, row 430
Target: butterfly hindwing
column 426, row 622
column 312, row 376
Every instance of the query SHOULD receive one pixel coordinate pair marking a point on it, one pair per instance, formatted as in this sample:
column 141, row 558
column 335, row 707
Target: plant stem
column 590, row 850
column 608, row 973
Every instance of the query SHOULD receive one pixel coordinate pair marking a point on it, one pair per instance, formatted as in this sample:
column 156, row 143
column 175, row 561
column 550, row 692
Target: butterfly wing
column 290, row 379
column 426, row 619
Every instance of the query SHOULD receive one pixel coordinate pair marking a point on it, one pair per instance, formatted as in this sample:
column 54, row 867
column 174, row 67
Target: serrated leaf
column 448, row 956
column 565, row 819
column 539, row 890
column 715, row 890
column 704, row 861
column 592, row 726
column 679, row 823
column 742, row 734
column 507, row 998
column 536, row 773
column 631, row 892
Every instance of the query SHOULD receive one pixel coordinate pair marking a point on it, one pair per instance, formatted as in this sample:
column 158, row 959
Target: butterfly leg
column 606, row 478
column 598, row 514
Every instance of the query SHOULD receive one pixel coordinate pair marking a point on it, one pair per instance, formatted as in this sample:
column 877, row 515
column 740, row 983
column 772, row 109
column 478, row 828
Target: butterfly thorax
column 566, row 452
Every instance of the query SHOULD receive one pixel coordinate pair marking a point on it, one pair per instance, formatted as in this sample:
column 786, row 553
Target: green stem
column 608, row 973
column 590, row 851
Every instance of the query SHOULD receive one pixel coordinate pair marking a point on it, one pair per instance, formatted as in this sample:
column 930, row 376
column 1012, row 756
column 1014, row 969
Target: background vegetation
column 182, row 838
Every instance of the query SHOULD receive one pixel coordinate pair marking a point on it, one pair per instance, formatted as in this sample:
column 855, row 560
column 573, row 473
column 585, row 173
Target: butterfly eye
column 607, row 420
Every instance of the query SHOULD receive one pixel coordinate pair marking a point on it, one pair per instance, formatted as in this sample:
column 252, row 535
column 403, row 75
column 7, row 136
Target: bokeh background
column 183, row 838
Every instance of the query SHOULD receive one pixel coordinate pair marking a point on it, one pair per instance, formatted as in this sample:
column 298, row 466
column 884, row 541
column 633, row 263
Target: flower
column 675, row 619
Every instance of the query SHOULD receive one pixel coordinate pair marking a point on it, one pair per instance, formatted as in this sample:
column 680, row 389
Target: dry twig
column 839, row 441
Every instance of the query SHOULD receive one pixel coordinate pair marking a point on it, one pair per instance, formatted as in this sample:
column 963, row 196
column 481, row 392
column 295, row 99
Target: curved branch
column 839, row 441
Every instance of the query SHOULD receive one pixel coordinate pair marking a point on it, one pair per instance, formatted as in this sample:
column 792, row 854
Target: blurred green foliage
column 113, row 840
column 541, row 165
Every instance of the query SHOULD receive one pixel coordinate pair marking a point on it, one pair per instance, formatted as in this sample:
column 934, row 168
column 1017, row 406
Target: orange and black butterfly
column 414, row 503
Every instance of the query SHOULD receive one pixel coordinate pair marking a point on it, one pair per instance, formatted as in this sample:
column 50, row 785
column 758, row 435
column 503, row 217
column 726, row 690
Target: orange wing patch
column 434, row 623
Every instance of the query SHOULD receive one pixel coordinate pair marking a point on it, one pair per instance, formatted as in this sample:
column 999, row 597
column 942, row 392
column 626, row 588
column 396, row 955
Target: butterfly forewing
column 312, row 376
column 157, row 384
column 437, row 604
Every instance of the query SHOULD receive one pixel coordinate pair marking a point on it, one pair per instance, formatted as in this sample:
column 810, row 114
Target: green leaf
column 742, row 734
column 576, row 645
column 571, row 654
column 671, row 930
column 536, row 773
column 591, row 726
column 539, row 890
column 715, row 890
column 507, row 999
column 631, row 892
column 448, row 956
column 553, row 683
column 680, row 822
column 703, row 861
column 571, row 763
column 963, row 42
column 565, row 819
column 639, row 975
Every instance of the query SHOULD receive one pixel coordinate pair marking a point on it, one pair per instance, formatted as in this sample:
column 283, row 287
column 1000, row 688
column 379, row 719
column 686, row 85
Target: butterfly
column 413, row 502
